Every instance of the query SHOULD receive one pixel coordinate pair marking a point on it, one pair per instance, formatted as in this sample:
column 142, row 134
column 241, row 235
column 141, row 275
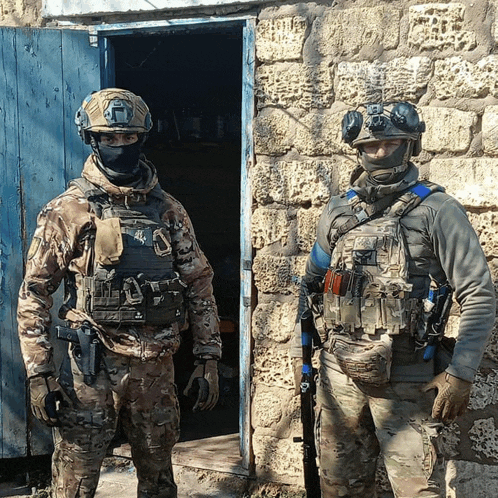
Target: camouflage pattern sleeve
column 197, row 273
column 49, row 256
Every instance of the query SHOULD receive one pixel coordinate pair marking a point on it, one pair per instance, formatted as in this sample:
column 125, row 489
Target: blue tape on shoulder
column 350, row 194
column 319, row 257
column 421, row 190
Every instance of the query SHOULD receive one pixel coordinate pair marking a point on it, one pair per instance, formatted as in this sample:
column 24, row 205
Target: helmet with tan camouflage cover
column 112, row 110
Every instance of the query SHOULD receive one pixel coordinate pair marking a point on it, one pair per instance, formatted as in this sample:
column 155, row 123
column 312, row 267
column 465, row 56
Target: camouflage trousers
column 143, row 396
column 355, row 423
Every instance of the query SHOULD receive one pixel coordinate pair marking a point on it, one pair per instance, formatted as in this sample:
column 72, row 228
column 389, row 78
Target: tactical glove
column 452, row 396
column 46, row 394
column 204, row 379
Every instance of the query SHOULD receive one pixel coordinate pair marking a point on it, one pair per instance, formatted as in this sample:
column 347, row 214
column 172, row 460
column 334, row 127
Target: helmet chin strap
column 388, row 169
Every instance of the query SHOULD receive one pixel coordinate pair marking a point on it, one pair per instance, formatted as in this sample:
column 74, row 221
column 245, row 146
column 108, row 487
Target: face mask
column 387, row 169
column 120, row 164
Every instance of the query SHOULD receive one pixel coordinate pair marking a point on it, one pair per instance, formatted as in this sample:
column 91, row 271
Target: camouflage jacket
column 62, row 248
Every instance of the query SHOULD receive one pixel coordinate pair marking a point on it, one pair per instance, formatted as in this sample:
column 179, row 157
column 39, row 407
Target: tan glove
column 452, row 396
column 46, row 395
column 205, row 376
column 297, row 368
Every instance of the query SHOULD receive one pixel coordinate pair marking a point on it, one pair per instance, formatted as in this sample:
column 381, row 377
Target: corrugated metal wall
column 45, row 74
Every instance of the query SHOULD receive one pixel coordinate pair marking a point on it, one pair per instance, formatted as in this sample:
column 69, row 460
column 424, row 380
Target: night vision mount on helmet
column 384, row 121
column 112, row 110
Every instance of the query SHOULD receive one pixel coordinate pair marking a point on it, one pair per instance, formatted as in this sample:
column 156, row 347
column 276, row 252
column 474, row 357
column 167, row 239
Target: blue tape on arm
column 320, row 257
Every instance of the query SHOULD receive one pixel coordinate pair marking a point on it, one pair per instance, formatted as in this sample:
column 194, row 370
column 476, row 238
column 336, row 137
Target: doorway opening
column 192, row 83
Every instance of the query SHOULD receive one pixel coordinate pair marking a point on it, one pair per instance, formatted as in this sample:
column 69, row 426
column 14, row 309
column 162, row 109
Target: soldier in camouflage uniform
column 134, row 277
column 387, row 253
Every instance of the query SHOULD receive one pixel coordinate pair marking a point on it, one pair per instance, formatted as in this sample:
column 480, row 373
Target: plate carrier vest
column 366, row 286
column 142, row 287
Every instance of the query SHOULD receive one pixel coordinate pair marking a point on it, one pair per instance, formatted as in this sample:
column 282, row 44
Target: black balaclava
column 387, row 169
column 120, row 164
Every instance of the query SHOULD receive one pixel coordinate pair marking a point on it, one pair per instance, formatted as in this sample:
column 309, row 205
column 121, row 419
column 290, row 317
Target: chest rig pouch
column 133, row 280
column 367, row 293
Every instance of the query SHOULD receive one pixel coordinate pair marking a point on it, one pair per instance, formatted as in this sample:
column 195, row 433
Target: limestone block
column 275, row 456
column 274, row 321
column 400, row 79
column 484, row 437
column 25, row 13
column 280, row 39
column 295, row 182
column 439, row 26
column 456, row 78
column 269, row 226
column 494, row 26
column 272, row 132
column 276, row 274
column 447, row 130
column 484, row 391
column 473, row 181
column 294, row 85
column 449, row 441
column 490, row 130
column 272, row 367
column 266, row 408
column 275, row 410
column 307, row 220
column 491, row 352
column 452, row 326
column 320, row 134
column 346, row 32
column 486, row 226
column 469, row 479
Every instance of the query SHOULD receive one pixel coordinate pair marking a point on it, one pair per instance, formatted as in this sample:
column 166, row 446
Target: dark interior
column 192, row 83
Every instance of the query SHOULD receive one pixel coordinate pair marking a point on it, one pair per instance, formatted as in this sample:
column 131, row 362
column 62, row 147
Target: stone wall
column 20, row 13
column 314, row 63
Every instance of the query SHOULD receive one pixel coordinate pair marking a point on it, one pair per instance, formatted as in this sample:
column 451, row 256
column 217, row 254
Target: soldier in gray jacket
column 390, row 255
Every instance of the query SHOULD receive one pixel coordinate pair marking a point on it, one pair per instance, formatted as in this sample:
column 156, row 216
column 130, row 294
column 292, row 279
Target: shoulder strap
column 412, row 197
column 400, row 205
column 96, row 197
column 99, row 198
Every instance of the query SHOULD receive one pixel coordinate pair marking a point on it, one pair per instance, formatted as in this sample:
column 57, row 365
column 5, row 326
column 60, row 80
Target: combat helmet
column 385, row 121
column 112, row 110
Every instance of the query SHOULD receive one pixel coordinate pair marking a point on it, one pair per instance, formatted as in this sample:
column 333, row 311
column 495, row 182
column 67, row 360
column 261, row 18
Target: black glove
column 204, row 381
column 46, row 395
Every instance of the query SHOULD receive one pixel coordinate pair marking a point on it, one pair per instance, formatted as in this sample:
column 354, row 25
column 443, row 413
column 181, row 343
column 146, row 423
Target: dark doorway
column 192, row 82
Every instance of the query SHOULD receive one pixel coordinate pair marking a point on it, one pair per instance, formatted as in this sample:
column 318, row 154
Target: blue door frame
column 100, row 36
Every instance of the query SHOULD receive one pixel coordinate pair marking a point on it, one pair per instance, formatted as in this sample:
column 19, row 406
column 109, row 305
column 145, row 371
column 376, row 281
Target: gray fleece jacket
column 442, row 246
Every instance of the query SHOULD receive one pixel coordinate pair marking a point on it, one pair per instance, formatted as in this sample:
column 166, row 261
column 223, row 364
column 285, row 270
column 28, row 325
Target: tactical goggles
column 402, row 121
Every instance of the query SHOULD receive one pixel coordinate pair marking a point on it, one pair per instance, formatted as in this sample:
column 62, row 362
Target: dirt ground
column 22, row 478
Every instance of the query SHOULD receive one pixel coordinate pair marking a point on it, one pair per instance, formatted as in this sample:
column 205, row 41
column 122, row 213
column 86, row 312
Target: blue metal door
column 45, row 75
